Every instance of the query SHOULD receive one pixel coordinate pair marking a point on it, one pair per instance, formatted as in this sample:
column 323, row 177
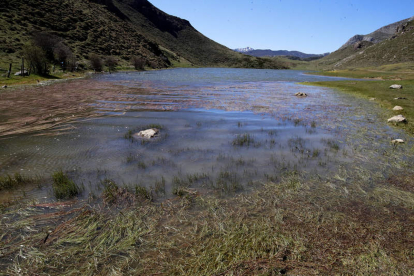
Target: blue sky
column 311, row 26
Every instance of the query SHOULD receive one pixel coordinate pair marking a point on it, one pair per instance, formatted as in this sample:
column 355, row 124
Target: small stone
column 397, row 108
column 397, row 141
column 301, row 94
column 372, row 99
column 400, row 98
column 148, row 133
column 397, row 119
column 396, row 86
column 4, row 86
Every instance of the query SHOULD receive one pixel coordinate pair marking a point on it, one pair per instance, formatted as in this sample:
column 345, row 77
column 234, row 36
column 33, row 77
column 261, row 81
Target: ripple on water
column 203, row 112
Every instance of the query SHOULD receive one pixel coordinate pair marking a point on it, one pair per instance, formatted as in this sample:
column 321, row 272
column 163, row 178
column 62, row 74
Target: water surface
column 202, row 113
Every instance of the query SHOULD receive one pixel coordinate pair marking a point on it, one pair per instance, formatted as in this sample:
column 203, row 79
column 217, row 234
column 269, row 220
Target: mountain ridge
column 378, row 35
column 393, row 43
column 120, row 28
column 274, row 53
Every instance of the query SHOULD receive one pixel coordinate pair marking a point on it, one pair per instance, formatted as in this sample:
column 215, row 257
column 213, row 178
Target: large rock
column 148, row 133
column 19, row 73
column 397, row 119
column 301, row 94
column 397, row 141
column 397, row 108
column 396, row 86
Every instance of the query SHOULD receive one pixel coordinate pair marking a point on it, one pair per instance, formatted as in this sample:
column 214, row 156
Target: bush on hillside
column 96, row 62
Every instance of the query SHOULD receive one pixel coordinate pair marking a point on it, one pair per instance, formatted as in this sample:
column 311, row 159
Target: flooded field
column 244, row 178
column 221, row 130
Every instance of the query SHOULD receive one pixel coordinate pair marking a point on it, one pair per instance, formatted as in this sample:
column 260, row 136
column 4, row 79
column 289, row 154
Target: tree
column 72, row 64
column 138, row 62
column 62, row 54
column 48, row 44
column 111, row 63
column 96, row 62
column 36, row 57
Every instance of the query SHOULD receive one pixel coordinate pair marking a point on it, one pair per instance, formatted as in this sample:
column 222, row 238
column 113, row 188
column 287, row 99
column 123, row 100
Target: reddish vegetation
column 36, row 108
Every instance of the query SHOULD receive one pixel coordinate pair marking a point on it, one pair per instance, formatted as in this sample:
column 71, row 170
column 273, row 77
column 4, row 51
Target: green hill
column 121, row 28
column 396, row 47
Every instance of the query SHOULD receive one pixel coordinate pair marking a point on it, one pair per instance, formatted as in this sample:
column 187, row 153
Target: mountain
column 379, row 35
column 243, row 50
column 390, row 44
column 121, row 28
column 271, row 53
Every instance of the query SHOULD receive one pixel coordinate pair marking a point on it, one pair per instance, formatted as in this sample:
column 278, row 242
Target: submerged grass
column 10, row 182
column 63, row 187
column 380, row 93
column 243, row 140
column 293, row 226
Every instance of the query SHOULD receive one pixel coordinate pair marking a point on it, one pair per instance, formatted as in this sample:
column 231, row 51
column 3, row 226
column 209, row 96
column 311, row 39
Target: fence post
column 8, row 76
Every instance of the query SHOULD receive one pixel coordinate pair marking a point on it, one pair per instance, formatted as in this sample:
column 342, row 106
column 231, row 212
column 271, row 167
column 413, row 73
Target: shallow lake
column 222, row 130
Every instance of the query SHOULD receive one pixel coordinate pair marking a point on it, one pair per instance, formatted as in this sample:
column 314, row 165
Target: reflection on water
column 203, row 112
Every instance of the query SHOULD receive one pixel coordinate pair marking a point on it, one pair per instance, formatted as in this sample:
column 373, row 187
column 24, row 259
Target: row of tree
column 45, row 50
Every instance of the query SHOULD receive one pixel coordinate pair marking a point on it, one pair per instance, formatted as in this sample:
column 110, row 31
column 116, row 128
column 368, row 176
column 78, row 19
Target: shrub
column 37, row 58
column 96, row 62
column 111, row 63
column 138, row 63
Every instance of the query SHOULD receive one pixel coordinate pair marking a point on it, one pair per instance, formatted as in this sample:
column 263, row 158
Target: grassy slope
column 178, row 36
column 114, row 27
column 391, row 51
column 86, row 27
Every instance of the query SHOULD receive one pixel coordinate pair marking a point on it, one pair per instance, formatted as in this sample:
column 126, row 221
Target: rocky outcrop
column 379, row 35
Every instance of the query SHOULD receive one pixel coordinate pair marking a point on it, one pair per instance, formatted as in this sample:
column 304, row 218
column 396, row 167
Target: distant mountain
column 120, row 28
column 390, row 44
column 379, row 35
column 271, row 53
column 244, row 50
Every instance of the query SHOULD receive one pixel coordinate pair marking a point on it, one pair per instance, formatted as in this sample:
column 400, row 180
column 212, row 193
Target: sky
column 310, row 26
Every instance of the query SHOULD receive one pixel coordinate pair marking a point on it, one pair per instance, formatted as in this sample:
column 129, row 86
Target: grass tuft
column 243, row 140
column 63, row 187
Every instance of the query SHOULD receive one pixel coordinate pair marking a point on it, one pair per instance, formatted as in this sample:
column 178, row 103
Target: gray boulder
column 397, row 119
column 396, row 86
column 148, row 133
column 19, row 73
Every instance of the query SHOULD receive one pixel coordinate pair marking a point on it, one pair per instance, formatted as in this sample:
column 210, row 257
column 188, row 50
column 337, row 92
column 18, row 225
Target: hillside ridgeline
column 119, row 28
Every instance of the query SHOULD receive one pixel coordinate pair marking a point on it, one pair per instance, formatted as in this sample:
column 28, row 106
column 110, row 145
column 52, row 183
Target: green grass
column 63, row 187
column 9, row 182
